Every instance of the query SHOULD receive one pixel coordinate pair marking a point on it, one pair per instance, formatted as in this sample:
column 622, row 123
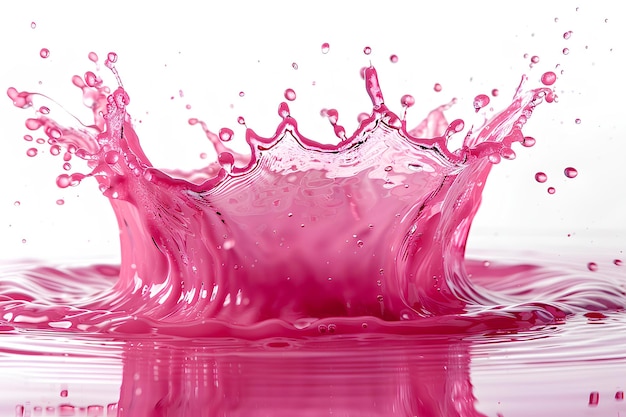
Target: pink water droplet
column 495, row 92
column 290, row 94
column 551, row 190
column 548, row 78
column 594, row 398
column 23, row 240
column 294, row 65
column 28, row 138
column 362, row 116
column 616, row 262
column 67, row 166
column 407, row 100
column 44, row 110
column 592, row 266
column 619, row 396
column 17, row 203
column 570, row 172
column 55, row 150
column 93, row 57
column 44, row 53
column 541, row 177
column 111, row 157
column 577, row 121
column 534, row 59
column 367, row 50
column 567, row 34
column 241, row 120
column 90, row 79
column 325, row 47
column 437, row 87
column 31, row 152
column 63, row 392
column 112, row 56
column 40, row 141
column 225, row 134
column 480, row 101
column 529, row 141
column 33, row 25
column 241, row 94
column 393, row 58
column 565, row 51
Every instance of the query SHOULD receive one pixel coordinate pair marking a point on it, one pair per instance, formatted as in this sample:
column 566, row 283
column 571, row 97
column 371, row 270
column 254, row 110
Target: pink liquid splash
column 294, row 257
column 367, row 235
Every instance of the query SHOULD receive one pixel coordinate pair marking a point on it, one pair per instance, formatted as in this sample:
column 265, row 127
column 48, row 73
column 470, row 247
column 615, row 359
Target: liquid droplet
column 294, row 65
column 407, row 100
column 577, row 121
column 592, row 266
column 551, row 190
column 529, row 141
column 17, row 204
column 570, row 172
column 63, row 393
column 437, row 87
column 290, row 94
column 480, row 101
column 567, row 34
column 225, row 134
column 60, row 202
column 31, row 152
column 367, row 50
column 565, row 51
column 541, row 177
column 93, row 57
column 534, row 59
column 44, row 53
column 393, row 58
column 594, row 398
column 33, row 25
column 619, row 396
column 325, row 47
column 548, row 78
column 495, row 92
column 616, row 262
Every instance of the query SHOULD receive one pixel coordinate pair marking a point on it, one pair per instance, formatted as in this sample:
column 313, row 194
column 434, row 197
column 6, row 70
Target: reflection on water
column 573, row 369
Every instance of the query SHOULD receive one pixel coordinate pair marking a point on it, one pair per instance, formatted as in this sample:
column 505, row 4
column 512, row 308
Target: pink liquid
column 294, row 246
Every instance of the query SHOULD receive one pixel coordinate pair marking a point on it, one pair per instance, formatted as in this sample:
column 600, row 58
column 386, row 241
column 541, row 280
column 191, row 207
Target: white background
column 213, row 50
